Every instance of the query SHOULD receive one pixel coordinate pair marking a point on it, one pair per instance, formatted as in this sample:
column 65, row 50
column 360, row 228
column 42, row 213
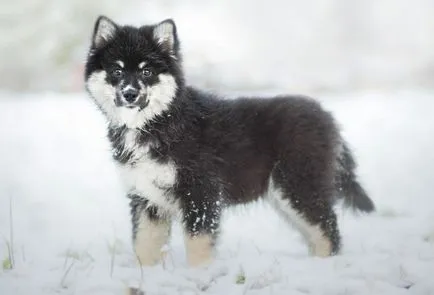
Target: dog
column 188, row 154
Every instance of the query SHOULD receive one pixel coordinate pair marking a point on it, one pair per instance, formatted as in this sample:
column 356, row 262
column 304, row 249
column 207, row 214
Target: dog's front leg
column 201, row 220
column 151, row 230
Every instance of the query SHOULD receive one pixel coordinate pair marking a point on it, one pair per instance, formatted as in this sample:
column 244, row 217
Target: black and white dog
column 185, row 153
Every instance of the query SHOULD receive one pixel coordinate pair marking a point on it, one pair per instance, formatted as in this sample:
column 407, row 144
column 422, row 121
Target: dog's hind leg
column 311, row 213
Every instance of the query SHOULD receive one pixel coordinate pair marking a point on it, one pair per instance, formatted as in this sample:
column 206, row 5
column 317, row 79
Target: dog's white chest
column 145, row 176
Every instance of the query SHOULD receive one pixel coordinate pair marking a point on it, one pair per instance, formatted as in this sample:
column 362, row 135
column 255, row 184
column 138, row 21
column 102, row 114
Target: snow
column 71, row 231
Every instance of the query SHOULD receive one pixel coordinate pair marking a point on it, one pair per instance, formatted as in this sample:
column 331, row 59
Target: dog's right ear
column 104, row 31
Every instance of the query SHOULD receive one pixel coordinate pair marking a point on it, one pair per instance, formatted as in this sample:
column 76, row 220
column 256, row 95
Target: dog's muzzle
column 132, row 98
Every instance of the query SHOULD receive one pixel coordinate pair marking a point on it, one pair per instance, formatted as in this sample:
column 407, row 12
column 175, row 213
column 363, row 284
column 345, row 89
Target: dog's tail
column 353, row 194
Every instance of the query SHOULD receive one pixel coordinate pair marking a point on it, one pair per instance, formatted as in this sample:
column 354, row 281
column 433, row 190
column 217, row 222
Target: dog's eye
column 147, row 72
column 117, row 73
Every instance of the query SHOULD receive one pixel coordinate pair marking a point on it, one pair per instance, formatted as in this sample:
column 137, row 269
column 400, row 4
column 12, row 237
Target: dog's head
column 133, row 74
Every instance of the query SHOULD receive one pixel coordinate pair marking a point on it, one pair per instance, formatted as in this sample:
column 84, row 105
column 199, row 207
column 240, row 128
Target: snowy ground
column 71, row 224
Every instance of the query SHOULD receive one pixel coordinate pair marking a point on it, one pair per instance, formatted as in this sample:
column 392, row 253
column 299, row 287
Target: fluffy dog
column 188, row 154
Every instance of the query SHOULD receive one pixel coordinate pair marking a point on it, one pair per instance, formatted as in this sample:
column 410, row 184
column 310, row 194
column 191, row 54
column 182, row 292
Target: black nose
column 130, row 95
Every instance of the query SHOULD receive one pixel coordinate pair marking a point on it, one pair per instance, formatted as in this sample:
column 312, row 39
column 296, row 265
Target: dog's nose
column 130, row 95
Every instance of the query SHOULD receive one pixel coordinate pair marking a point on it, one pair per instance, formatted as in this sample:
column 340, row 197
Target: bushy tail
column 353, row 194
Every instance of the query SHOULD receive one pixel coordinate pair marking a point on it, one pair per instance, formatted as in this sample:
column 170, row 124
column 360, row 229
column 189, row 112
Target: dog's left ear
column 166, row 36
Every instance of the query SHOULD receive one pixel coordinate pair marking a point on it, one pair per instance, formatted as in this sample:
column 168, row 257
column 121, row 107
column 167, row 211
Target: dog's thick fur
column 183, row 152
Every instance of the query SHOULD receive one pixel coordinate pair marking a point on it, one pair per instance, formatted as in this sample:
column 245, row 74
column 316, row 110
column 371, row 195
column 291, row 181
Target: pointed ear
column 165, row 35
column 105, row 30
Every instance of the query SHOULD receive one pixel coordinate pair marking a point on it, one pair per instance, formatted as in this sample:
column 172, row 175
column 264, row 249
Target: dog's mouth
column 140, row 106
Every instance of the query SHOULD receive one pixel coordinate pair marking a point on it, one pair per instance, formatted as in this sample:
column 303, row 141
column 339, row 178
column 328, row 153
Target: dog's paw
column 134, row 291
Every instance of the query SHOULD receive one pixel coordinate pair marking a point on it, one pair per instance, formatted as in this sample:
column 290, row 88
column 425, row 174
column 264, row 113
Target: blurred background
column 296, row 46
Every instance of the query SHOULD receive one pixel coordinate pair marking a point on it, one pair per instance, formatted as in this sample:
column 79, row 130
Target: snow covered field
column 71, row 232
